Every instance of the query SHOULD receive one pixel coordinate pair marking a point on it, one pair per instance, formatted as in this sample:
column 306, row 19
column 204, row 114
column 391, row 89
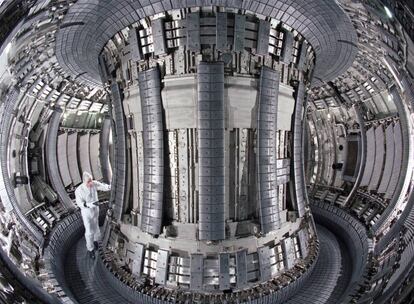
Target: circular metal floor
column 328, row 280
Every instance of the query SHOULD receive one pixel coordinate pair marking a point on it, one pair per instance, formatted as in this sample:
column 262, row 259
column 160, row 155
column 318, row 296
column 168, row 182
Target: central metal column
column 151, row 104
column 210, row 83
column 266, row 181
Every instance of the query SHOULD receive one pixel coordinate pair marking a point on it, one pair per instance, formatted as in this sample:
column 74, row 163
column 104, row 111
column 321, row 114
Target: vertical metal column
column 119, row 177
column 210, row 84
column 152, row 124
column 266, row 170
column 298, row 170
column 52, row 162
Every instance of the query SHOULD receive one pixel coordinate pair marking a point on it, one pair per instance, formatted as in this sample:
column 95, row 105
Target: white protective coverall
column 85, row 199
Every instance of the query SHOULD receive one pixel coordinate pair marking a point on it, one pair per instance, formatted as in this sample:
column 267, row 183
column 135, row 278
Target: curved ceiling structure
column 256, row 151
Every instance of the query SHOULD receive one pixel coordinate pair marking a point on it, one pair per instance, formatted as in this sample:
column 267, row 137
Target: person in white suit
column 87, row 200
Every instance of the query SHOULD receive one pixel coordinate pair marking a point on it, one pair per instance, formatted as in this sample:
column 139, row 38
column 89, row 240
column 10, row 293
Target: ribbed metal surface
column 104, row 150
column 63, row 159
column 120, row 171
column 52, row 162
column 72, row 151
column 266, row 171
column 210, row 81
column 396, row 167
column 389, row 159
column 84, row 157
column 94, row 149
column 152, row 123
column 379, row 158
column 298, row 170
column 369, row 165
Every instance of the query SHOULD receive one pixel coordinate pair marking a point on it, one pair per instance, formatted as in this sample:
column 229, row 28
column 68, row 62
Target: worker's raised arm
column 101, row 186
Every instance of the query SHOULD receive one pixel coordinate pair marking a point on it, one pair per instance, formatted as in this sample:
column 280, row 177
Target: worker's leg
column 87, row 222
column 96, row 231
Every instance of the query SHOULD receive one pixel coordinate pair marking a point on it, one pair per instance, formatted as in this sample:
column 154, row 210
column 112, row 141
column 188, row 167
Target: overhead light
column 388, row 12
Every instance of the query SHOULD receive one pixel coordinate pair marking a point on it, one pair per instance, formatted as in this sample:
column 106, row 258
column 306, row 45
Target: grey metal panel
column 158, row 34
column 396, row 169
column 264, row 254
column 389, row 159
column 303, row 242
column 210, row 82
column 152, row 123
column 287, row 47
column 138, row 258
column 379, row 158
column 94, row 156
column 221, row 31
column 51, row 160
column 266, row 147
column 196, row 271
column 119, row 178
column 104, row 150
column 162, row 267
column 224, row 273
column 263, row 38
column 72, row 150
column 241, row 268
column 135, row 47
column 63, row 159
column 298, row 170
column 288, row 252
column 239, row 32
column 302, row 56
column 369, row 165
column 84, row 153
column 193, row 32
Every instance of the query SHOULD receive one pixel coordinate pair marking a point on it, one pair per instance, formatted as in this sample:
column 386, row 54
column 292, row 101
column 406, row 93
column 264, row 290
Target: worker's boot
column 96, row 245
column 92, row 254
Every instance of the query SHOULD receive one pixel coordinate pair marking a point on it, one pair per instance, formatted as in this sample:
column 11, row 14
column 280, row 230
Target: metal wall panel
column 224, row 273
column 264, row 254
column 193, row 32
column 221, row 31
column 119, row 178
column 51, row 160
column 94, row 156
column 389, row 159
column 369, row 165
column 158, row 34
column 396, row 169
column 287, row 47
column 211, row 151
column 152, row 123
column 138, row 258
column 72, row 150
column 104, row 150
column 134, row 45
column 63, row 159
column 379, row 158
column 266, row 171
column 162, row 267
column 239, row 32
column 303, row 242
column 196, row 271
column 263, row 38
column 241, row 268
column 298, row 170
column 84, row 153
column 288, row 253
